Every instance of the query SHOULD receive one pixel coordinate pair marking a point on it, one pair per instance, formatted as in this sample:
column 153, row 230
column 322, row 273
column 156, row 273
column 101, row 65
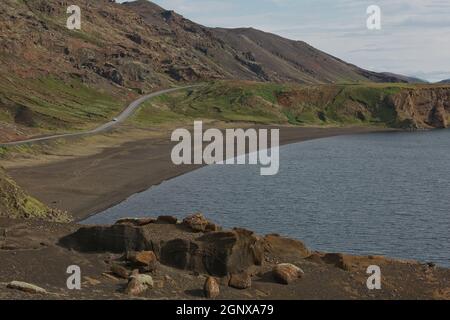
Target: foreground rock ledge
column 217, row 253
column 114, row 266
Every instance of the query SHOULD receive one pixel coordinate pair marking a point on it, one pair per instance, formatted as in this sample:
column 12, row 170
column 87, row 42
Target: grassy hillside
column 266, row 103
column 15, row 203
column 50, row 105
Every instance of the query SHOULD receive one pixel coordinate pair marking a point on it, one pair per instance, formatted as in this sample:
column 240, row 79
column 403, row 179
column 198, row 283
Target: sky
column 414, row 39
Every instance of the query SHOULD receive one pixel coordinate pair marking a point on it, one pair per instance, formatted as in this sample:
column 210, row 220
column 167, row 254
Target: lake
column 380, row 193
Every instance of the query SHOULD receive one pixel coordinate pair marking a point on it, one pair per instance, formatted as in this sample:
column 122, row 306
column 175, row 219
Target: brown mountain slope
column 251, row 54
column 140, row 45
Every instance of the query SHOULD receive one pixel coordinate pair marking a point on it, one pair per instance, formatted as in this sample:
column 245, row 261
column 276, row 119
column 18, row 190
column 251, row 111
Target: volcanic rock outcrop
column 215, row 253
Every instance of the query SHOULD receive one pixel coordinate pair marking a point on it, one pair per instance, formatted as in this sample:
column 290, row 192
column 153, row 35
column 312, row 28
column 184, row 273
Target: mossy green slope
column 55, row 105
column 267, row 103
column 15, row 203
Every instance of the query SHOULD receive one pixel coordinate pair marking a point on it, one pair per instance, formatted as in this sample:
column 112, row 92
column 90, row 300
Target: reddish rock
column 145, row 260
column 240, row 281
column 211, row 288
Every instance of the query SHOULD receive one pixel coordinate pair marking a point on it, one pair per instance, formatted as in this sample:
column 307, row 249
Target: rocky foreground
column 163, row 258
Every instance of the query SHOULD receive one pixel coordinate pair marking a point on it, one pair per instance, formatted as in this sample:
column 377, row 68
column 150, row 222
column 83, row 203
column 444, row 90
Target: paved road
column 119, row 119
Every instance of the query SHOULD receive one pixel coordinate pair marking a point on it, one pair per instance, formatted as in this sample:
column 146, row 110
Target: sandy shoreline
column 87, row 185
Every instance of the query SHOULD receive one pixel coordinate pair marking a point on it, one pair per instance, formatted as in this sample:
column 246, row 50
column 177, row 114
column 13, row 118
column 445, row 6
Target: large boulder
column 214, row 253
column 145, row 261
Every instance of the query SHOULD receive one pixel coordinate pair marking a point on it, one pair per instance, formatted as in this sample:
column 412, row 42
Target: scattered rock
column 240, row 281
column 198, row 223
column 211, row 288
column 135, row 37
column 138, row 284
column 166, row 220
column 92, row 281
column 145, row 260
column 114, row 75
column 26, row 287
column 120, row 271
column 286, row 273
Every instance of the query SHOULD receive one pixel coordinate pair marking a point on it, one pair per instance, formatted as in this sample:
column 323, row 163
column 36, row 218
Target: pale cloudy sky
column 414, row 39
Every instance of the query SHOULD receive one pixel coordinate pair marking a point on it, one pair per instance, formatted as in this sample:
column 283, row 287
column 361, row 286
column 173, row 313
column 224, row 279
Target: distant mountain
column 251, row 54
column 405, row 78
column 445, row 81
column 141, row 45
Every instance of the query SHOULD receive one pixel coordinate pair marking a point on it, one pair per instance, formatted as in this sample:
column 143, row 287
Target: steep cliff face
column 15, row 203
column 422, row 108
column 410, row 107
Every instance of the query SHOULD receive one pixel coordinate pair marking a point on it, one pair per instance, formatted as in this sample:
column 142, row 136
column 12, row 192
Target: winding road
column 107, row 126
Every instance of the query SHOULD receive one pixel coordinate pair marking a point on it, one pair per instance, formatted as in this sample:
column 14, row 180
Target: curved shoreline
column 86, row 186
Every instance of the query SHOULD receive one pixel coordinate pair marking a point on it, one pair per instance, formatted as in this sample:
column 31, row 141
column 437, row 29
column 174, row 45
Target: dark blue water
column 382, row 193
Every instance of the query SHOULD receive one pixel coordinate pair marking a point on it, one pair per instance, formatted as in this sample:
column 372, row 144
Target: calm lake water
column 382, row 193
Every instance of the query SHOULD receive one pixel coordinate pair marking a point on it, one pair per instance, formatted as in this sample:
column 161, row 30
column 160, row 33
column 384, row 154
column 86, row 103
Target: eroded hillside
column 15, row 203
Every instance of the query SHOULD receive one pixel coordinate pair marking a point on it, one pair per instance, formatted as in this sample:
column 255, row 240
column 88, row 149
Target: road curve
column 119, row 119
